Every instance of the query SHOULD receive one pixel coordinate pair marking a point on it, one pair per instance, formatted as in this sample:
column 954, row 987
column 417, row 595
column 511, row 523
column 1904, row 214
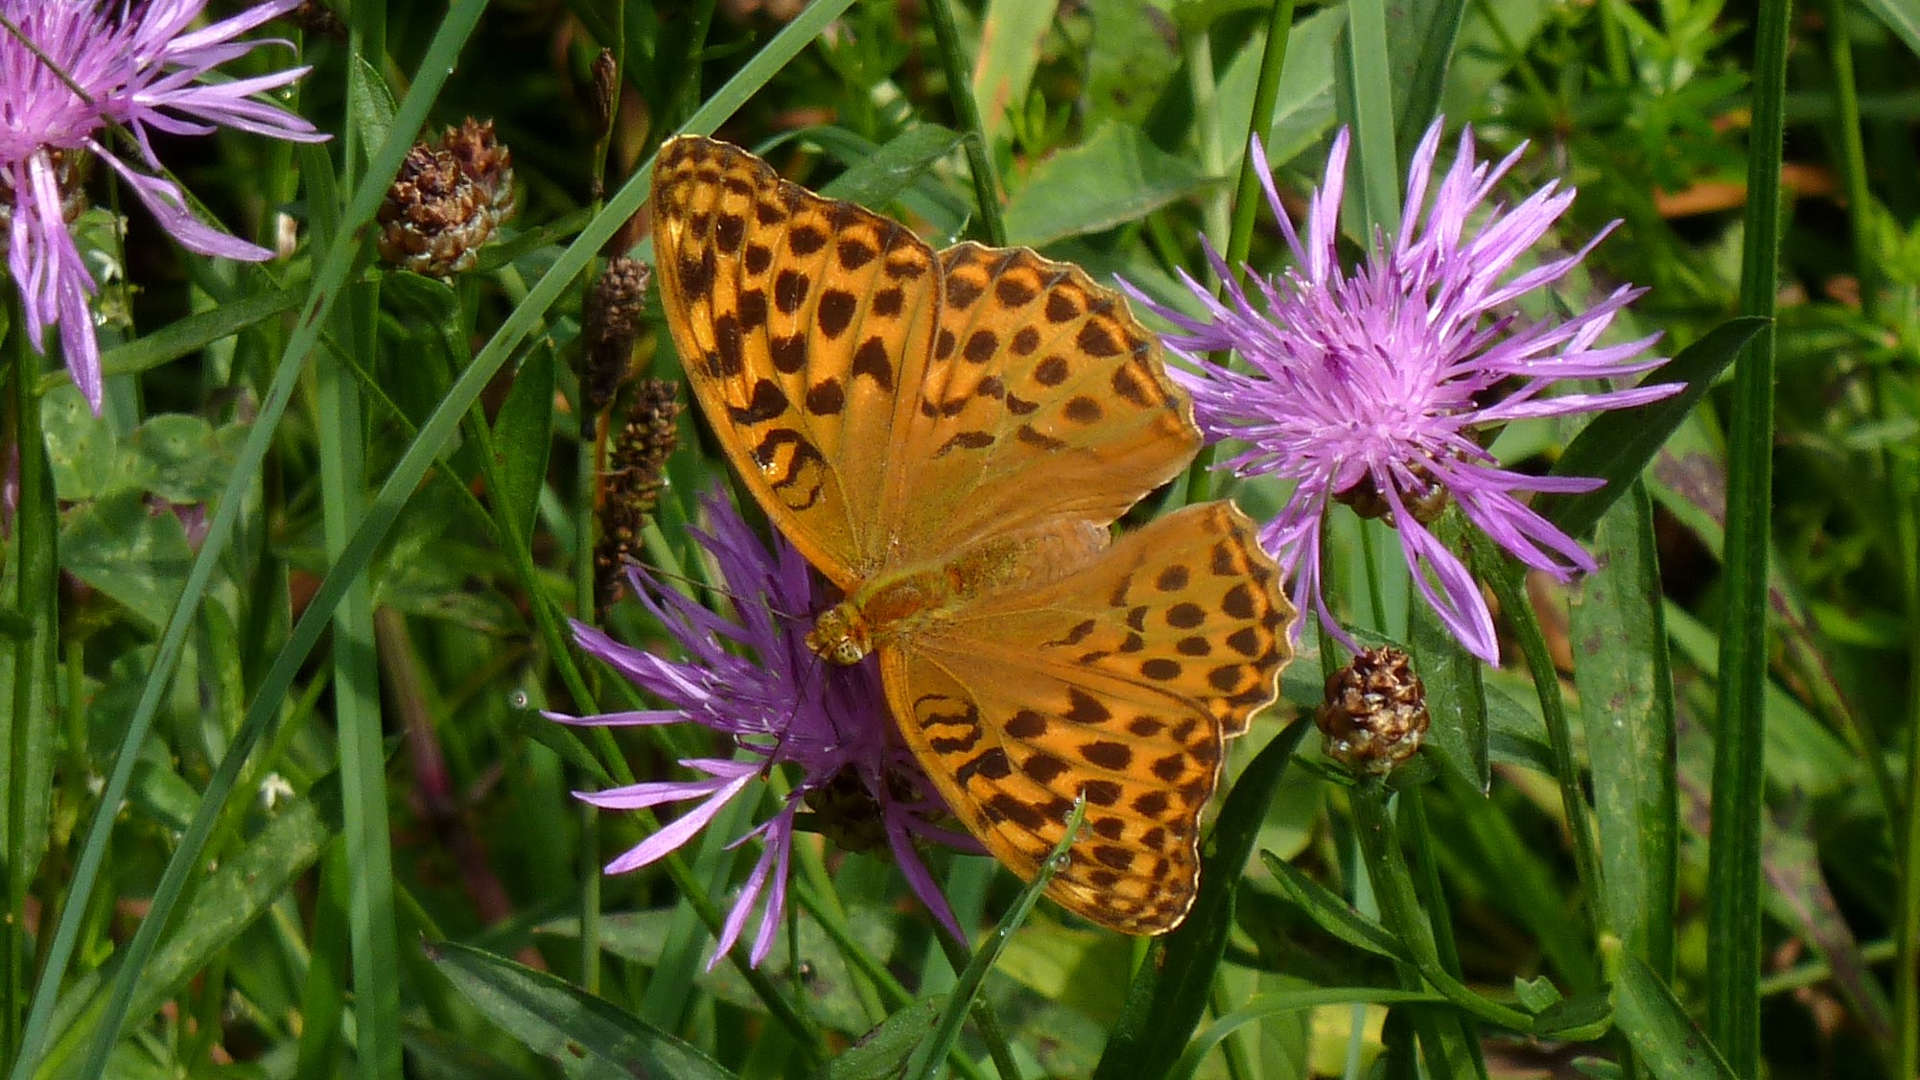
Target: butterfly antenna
column 808, row 671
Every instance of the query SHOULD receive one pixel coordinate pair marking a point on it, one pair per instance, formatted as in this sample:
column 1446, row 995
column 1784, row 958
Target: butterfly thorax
column 897, row 602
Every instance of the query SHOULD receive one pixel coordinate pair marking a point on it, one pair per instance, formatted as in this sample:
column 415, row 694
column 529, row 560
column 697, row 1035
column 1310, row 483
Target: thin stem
column 1246, row 197
column 967, row 111
column 1509, row 585
column 1733, row 844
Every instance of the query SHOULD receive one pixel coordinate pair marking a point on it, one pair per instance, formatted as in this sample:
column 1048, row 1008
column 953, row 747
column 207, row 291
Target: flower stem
column 967, row 111
column 1733, row 842
column 1400, row 905
column 1246, row 197
column 1510, row 586
column 31, row 698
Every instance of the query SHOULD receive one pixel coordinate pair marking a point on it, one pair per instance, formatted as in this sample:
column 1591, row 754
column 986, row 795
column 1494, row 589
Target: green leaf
column 1115, row 176
column 1616, row 445
column 1135, row 53
column 523, row 434
column 931, row 1053
column 881, row 1054
column 1668, row 1042
column 1456, row 694
column 587, row 1036
column 1011, row 33
column 1169, row 992
column 1621, row 670
column 1279, row 1004
column 1900, row 16
column 1332, row 913
column 139, row 558
column 877, row 175
column 247, row 882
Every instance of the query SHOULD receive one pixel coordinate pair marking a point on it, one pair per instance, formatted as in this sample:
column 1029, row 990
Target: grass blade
column 929, row 1056
column 585, row 1035
column 1169, row 992
column 1733, row 862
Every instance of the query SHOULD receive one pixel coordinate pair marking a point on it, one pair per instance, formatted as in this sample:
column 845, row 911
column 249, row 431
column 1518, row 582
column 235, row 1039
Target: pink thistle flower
column 1369, row 386
column 780, row 705
column 70, row 69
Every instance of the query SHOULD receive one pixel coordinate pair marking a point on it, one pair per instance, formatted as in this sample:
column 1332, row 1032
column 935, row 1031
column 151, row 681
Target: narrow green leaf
column 1115, row 176
column 1169, row 991
column 1456, row 690
column 1621, row 670
column 881, row 1054
column 1667, row 1041
column 877, row 174
column 932, row 1053
column 1615, row 446
column 523, row 435
column 585, row 1035
column 1421, row 38
column 1332, row 913
column 1900, row 16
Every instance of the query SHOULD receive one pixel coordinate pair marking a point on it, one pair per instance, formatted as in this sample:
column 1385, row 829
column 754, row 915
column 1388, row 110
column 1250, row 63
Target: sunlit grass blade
column 1663, row 1037
column 1267, row 1006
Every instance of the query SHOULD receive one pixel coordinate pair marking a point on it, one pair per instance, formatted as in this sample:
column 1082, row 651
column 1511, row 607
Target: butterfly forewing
column 1044, row 401
column 798, row 319
column 1121, row 679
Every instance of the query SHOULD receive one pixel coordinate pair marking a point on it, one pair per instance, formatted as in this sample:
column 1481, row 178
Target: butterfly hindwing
column 1122, row 679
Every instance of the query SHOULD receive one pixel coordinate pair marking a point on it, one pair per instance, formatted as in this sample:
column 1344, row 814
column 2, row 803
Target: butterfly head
column 840, row 635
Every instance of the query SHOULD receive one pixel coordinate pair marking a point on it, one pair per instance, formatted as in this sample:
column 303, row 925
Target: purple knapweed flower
column 69, row 70
column 1368, row 386
column 781, row 705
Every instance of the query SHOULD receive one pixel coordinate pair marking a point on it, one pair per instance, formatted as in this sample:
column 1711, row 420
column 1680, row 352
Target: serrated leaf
column 1115, row 176
column 586, row 1035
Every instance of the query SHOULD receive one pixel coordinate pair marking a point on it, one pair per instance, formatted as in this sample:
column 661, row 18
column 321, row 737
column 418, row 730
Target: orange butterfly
column 946, row 436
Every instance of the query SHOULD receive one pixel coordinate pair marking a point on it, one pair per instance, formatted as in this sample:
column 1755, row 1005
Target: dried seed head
column 447, row 201
column 636, row 459
column 1375, row 714
column 611, row 321
column 485, row 162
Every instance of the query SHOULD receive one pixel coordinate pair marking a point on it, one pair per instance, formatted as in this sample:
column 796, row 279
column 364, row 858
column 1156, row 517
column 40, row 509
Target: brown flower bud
column 606, row 91
column 610, row 323
column 631, row 488
column 447, row 202
column 1375, row 714
column 1426, row 501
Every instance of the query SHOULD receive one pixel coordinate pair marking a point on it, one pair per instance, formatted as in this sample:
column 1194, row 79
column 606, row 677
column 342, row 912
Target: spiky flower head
column 1375, row 386
column 751, row 678
column 69, row 71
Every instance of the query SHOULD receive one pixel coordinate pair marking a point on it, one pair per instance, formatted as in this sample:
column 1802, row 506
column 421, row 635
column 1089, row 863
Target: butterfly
column 946, row 436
